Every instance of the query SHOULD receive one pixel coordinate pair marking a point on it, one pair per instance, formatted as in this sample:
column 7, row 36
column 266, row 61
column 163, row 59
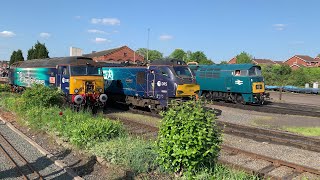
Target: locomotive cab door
column 62, row 78
column 157, row 85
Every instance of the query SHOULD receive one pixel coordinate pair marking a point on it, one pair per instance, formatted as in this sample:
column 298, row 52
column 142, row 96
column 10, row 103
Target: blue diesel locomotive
column 151, row 86
column 238, row 83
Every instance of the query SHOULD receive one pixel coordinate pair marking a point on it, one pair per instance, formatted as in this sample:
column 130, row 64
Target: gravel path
column 255, row 118
column 39, row 162
column 308, row 99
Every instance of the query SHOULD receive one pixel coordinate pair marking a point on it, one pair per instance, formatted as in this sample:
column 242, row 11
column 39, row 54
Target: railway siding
column 36, row 159
column 268, row 159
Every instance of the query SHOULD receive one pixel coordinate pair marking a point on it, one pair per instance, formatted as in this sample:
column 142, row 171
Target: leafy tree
column 153, row 54
column 198, row 56
column 178, row 54
column 16, row 56
column 318, row 55
column 224, row 62
column 243, row 58
column 13, row 57
column 38, row 51
column 19, row 55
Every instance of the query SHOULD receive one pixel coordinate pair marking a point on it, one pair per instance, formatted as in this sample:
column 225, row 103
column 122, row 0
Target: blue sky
column 274, row 29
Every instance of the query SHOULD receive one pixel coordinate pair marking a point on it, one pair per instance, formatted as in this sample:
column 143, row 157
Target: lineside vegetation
column 195, row 131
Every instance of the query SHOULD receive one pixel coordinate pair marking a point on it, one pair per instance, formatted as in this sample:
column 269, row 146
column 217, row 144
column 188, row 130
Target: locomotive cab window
column 63, row 70
column 164, row 71
column 254, row 71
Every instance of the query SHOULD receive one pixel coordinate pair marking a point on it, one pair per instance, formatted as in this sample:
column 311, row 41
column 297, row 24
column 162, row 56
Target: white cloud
column 106, row 21
column 45, row 35
column 96, row 31
column 7, row 34
column 77, row 17
column 165, row 37
column 279, row 27
column 101, row 40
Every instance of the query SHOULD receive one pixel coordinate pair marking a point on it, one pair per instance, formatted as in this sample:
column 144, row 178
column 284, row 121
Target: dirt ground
column 295, row 98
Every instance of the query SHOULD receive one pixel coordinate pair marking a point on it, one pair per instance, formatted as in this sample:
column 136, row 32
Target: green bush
column 40, row 95
column 80, row 128
column 189, row 139
column 137, row 154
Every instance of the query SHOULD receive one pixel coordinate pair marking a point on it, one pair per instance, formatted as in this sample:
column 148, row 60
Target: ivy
column 189, row 139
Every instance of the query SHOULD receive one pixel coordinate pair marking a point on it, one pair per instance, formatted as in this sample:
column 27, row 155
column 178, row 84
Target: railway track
column 272, row 136
column 278, row 108
column 272, row 164
column 22, row 166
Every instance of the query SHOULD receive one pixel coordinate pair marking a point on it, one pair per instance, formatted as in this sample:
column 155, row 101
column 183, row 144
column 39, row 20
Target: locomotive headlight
column 76, row 91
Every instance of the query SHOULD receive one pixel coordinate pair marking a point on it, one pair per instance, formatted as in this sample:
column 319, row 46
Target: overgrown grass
column 134, row 153
column 306, row 131
column 80, row 129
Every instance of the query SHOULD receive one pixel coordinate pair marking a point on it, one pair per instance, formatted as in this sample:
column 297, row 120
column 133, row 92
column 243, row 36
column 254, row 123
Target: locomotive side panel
column 25, row 77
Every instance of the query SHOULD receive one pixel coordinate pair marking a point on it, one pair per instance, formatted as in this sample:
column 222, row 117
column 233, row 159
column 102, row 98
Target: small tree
column 38, row 51
column 16, row 56
column 189, row 138
column 198, row 56
column 13, row 57
column 178, row 54
column 224, row 62
column 243, row 58
column 152, row 54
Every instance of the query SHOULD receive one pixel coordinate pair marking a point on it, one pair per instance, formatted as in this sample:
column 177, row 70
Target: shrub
column 4, row 88
column 189, row 139
column 40, row 95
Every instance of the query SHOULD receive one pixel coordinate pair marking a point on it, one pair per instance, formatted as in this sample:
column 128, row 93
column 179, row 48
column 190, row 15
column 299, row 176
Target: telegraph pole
column 148, row 46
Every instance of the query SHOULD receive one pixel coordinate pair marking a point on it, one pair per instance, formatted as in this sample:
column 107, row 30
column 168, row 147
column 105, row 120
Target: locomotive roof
column 227, row 66
column 172, row 62
column 53, row 62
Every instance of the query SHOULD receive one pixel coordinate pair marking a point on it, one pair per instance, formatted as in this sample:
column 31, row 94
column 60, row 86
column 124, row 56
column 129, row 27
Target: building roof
column 263, row 61
column 306, row 58
column 103, row 53
column 317, row 58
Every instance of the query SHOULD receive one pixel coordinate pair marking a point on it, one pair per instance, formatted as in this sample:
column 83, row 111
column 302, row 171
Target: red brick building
column 298, row 61
column 116, row 55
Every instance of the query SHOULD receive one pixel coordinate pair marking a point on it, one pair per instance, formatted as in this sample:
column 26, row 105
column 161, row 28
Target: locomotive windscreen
column 182, row 71
column 85, row 70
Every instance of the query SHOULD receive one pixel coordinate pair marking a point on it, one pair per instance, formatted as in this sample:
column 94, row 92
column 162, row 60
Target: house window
column 125, row 54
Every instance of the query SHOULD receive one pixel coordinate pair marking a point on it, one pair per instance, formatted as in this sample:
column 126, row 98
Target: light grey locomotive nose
column 103, row 98
column 78, row 99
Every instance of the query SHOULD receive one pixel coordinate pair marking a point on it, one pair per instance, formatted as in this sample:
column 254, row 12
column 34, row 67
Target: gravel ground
column 291, row 154
column 295, row 98
column 39, row 162
column 254, row 118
